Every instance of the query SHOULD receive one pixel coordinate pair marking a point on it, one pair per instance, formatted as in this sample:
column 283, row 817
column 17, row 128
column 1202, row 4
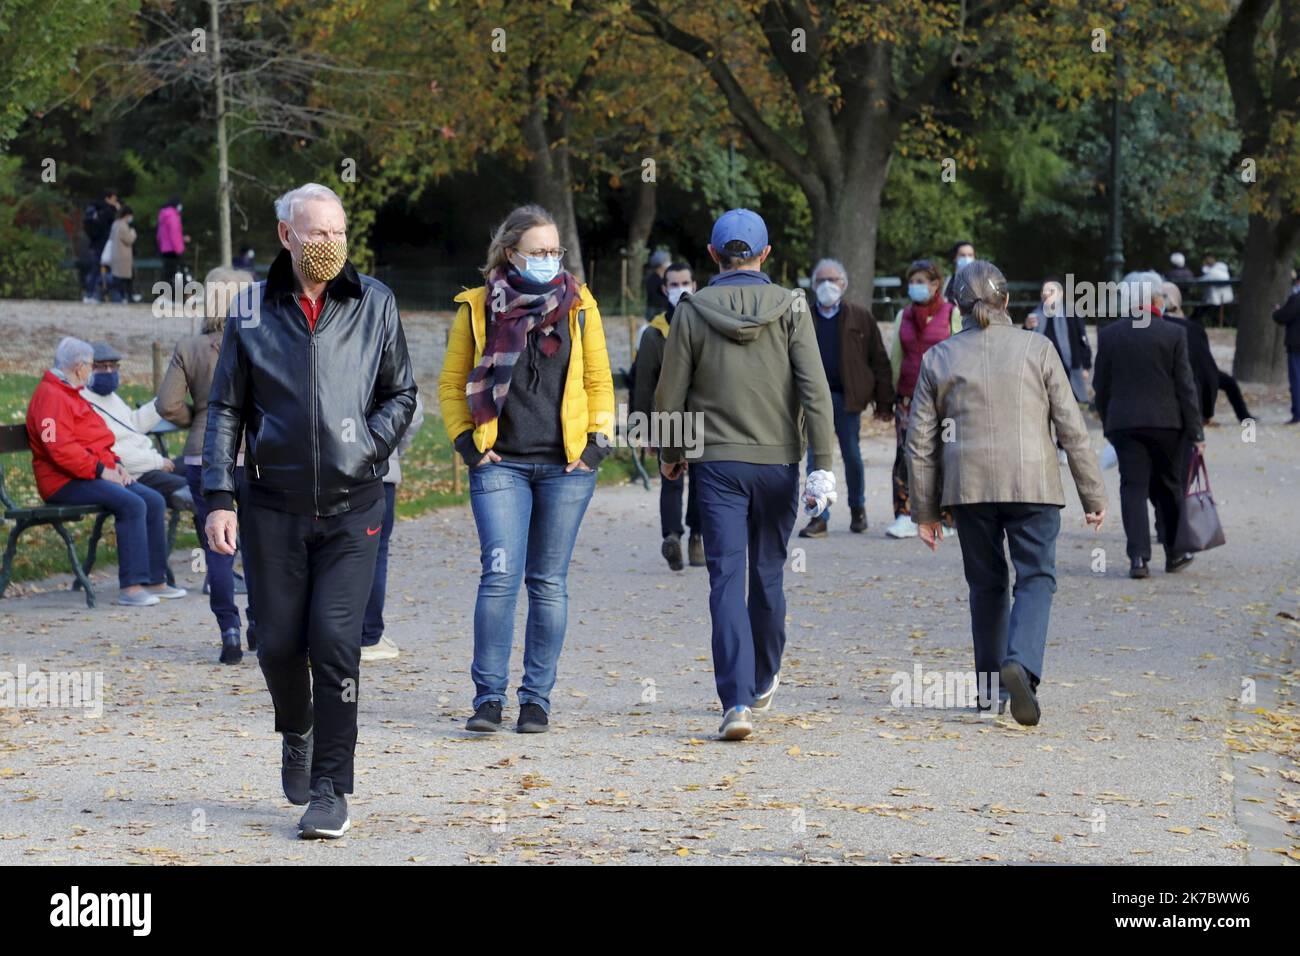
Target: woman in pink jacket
column 171, row 239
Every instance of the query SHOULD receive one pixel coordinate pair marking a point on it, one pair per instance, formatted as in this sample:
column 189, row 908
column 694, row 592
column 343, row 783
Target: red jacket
column 68, row 438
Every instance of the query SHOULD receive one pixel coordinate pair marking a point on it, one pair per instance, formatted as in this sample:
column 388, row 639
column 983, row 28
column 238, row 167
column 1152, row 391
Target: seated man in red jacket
column 72, row 457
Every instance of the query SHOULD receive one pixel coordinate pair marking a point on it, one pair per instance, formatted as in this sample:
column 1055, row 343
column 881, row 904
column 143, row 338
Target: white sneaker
column 903, row 527
column 385, row 650
column 138, row 599
column 737, row 724
column 167, row 592
column 764, row 700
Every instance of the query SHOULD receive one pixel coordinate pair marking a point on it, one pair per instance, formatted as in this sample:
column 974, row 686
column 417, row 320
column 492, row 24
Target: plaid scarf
column 516, row 308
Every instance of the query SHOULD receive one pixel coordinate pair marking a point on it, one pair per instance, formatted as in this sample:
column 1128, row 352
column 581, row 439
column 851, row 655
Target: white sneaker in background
column 385, row 650
column 903, row 527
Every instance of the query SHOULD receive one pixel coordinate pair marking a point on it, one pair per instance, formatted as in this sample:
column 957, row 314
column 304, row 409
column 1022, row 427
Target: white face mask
column 675, row 295
column 828, row 293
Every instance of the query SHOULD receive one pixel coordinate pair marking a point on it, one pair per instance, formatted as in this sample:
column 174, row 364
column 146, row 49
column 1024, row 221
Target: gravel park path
column 1169, row 731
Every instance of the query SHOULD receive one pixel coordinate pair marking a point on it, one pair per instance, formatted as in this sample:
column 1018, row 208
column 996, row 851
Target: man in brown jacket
column 859, row 374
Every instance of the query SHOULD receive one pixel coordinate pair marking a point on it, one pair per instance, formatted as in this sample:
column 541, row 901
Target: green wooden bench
column 13, row 440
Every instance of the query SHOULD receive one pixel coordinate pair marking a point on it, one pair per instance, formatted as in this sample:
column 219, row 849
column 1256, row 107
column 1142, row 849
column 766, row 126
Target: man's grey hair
column 287, row 206
column 1136, row 290
column 831, row 262
column 71, row 352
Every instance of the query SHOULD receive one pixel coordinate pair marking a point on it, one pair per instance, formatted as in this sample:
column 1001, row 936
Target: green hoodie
column 745, row 358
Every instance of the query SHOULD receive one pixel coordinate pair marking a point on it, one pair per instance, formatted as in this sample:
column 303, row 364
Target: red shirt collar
column 311, row 309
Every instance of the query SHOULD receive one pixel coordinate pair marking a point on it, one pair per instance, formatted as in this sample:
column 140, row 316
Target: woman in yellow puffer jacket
column 528, row 400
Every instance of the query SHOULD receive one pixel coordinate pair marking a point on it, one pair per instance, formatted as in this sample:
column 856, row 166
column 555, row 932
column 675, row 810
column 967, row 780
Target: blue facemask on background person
column 539, row 268
column 104, row 383
column 964, row 261
column 918, row 292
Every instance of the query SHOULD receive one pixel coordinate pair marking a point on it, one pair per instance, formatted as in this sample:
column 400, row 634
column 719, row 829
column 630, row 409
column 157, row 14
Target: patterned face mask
column 321, row 261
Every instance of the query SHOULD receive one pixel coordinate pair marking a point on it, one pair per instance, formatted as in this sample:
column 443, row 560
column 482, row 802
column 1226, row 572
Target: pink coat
column 171, row 238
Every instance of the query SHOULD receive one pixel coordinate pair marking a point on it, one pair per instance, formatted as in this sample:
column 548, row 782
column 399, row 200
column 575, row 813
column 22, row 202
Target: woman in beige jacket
column 980, row 444
column 121, row 254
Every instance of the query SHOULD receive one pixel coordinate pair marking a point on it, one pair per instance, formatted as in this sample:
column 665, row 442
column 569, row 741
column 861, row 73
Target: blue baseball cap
column 740, row 225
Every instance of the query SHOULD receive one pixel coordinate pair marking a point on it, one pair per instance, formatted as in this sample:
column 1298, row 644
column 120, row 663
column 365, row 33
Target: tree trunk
column 845, row 226
column 545, row 133
column 223, row 152
column 1271, row 246
column 640, row 225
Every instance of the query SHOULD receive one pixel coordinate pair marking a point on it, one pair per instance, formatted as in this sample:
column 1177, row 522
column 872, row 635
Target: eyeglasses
column 543, row 253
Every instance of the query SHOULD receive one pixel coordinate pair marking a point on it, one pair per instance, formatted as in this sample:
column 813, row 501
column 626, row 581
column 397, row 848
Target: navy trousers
column 1004, row 631
column 746, row 511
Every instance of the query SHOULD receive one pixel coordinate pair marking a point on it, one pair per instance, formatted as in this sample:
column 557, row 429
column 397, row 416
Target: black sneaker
column 1024, row 702
column 532, row 720
column 295, row 767
column 672, row 551
column 816, row 528
column 858, row 524
column 695, row 551
column 327, row 817
column 232, row 651
column 486, row 719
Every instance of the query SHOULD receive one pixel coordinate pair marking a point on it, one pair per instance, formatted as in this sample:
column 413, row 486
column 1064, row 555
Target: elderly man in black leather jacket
column 314, row 372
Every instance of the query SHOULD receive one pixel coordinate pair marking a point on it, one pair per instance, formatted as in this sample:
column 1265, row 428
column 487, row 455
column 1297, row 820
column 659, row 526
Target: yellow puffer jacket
column 588, row 402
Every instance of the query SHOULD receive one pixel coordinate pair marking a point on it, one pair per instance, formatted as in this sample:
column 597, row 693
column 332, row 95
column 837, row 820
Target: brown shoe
column 816, row 528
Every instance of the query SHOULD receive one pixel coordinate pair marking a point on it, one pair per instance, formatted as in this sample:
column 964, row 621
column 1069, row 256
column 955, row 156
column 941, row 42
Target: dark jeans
column 221, row 567
column 848, row 429
column 1004, row 631
column 309, row 579
column 749, row 511
column 121, row 289
column 1152, row 464
column 139, row 519
column 670, row 505
column 528, row 517
column 1293, row 374
column 166, row 483
column 372, row 625
column 171, row 266
column 1228, row 385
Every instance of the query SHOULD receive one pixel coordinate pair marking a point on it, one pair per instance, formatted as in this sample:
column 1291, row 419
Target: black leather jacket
column 321, row 409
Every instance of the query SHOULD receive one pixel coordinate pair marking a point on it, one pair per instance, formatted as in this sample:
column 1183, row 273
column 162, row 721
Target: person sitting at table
column 74, row 464
column 132, row 443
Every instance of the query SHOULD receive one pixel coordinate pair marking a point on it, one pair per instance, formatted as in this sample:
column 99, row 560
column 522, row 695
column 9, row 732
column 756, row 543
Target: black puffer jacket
column 322, row 409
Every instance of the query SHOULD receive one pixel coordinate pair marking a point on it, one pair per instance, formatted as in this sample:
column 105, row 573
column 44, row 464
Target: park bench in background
column 13, row 440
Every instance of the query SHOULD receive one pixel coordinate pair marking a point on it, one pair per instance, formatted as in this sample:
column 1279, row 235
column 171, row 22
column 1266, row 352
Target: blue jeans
column 139, row 518
column 528, row 517
column 1293, row 374
column 848, row 426
column 372, row 625
column 221, row 567
column 746, row 511
column 1003, row 631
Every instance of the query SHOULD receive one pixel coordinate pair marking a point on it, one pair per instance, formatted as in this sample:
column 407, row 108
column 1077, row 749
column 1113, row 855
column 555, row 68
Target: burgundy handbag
column 1198, row 525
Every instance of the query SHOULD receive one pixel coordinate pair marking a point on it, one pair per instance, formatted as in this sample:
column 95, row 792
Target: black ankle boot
column 231, row 650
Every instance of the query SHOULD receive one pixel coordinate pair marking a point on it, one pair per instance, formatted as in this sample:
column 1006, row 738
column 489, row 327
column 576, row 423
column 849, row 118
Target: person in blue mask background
column 960, row 255
column 928, row 319
column 131, row 426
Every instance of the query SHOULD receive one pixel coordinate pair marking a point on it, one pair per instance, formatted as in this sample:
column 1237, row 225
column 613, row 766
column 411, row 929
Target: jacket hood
column 740, row 312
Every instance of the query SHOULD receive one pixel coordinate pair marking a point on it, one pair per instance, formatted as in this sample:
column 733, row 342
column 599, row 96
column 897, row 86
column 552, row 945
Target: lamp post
column 1115, row 259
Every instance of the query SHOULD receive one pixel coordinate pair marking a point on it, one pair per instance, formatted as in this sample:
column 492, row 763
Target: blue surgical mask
column 539, row 268
column 918, row 292
column 104, row 383
column 964, row 261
